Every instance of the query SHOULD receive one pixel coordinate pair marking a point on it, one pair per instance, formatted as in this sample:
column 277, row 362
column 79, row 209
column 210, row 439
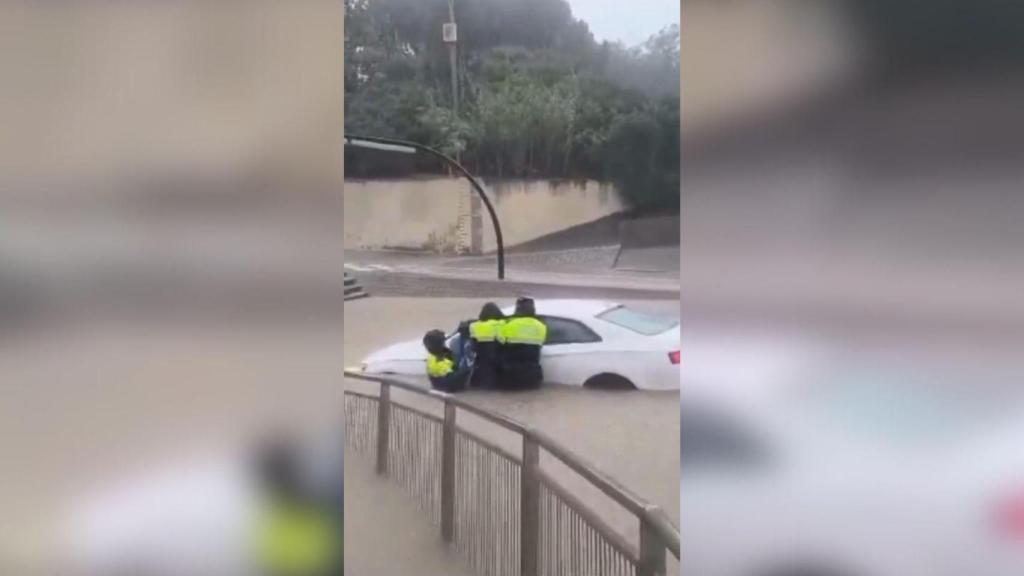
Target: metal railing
column 502, row 511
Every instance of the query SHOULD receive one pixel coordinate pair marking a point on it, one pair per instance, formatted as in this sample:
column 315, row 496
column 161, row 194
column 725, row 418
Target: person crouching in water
column 521, row 339
column 443, row 367
column 299, row 532
column 485, row 333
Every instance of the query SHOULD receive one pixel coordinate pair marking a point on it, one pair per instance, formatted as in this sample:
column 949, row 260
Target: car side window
column 566, row 331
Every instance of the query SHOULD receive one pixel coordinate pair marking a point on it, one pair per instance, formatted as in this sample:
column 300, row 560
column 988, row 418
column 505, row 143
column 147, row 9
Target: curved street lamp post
column 404, row 147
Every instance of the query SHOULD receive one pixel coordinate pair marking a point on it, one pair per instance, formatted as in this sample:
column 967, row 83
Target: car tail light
column 673, row 357
column 1010, row 516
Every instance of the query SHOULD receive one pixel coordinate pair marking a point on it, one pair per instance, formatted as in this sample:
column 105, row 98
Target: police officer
column 521, row 339
column 298, row 533
column 443, row 367
column 485, row 333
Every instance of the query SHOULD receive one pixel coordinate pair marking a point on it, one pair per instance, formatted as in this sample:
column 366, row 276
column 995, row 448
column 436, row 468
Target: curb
column 353, row 291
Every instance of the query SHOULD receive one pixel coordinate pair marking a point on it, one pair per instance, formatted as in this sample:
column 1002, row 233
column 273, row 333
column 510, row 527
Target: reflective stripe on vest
column 486, row 330
column 438, row 367
column 524, row 330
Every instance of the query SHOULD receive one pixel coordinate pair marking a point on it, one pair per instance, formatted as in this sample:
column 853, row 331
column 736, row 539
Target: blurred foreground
column 851, row 247
column 170, row 275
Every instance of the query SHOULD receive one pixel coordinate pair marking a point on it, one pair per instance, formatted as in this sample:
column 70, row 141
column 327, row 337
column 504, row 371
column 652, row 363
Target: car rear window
column 645, row 324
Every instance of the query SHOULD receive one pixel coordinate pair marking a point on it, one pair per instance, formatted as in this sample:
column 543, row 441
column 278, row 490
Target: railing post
column 448, row 474
column 529, row 514
column 383, row 428
column 652, row 551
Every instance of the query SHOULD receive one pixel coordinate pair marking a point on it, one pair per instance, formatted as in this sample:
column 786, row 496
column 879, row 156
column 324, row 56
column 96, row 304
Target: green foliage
column 644, row 156
column 538, row 96
column 525, row 127
column 443, row 131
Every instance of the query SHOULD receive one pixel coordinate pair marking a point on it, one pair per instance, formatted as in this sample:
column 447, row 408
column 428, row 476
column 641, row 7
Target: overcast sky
column 630, row 21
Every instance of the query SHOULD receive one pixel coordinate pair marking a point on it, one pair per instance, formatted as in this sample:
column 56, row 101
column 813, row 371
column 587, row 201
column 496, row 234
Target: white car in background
column 590, row 343
column 798, row 462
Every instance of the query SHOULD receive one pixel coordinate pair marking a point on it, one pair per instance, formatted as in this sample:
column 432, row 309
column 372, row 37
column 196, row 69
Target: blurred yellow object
column 297, row 540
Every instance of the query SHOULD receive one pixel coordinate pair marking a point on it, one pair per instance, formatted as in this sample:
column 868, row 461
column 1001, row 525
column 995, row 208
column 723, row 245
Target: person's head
column 278, row 468
column 434, row 342
column 490, row 311
column 525, row 307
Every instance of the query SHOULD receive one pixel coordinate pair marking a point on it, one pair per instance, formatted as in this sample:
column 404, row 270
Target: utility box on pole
column 450, row 32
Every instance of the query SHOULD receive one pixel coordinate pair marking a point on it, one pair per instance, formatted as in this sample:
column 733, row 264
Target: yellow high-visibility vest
column 438, row 367
column 524, row 330
column 298, row 541
column 486, row 330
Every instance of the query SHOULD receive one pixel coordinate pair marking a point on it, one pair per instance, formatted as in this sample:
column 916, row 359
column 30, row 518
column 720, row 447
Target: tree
column 642, row 155
column 502, row 125
column 652, row 67
column 443, row 131
column 540, row 97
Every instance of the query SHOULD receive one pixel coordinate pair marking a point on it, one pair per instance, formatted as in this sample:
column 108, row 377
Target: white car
column 590, row 343
column 798, row 462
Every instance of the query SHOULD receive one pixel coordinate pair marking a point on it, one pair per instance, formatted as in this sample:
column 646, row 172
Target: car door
column 562, row 356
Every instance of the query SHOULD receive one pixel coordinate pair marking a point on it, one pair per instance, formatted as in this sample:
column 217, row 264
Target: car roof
column 569, row 308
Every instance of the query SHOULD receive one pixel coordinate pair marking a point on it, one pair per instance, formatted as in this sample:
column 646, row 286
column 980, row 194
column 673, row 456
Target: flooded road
column 632, row 436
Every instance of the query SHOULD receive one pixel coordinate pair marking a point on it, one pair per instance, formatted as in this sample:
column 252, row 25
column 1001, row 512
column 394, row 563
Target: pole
column 383, row 428
column 448, row 473
column 452, row 57
column 529, row 514
column 652, row 551
column 362, row 140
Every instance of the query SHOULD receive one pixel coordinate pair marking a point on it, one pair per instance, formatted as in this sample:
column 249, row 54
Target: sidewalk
column 384, row 531
column 590, row 268
column 601, row 279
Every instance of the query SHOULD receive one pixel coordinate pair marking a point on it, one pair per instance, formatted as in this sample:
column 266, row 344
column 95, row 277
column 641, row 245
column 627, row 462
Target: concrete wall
column 529, row 209
column 411, row 214
column 443, row 214
column 748, row 57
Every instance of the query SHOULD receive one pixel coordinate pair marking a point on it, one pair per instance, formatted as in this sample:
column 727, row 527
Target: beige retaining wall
column 409, row 214
column 443, row 214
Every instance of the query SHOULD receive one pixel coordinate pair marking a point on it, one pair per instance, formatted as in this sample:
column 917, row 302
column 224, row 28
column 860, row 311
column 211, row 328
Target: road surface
column 548, row 274
column 632, row 436
column 386, row 533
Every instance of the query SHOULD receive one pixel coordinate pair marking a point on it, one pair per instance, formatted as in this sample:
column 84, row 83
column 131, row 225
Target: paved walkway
column 590, row 267
column 386, row 533
column 653, row 260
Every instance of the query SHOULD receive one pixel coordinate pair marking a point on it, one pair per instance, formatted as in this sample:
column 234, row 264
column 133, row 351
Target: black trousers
column 485, row 373
column 521, row 375
column 520, row 367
